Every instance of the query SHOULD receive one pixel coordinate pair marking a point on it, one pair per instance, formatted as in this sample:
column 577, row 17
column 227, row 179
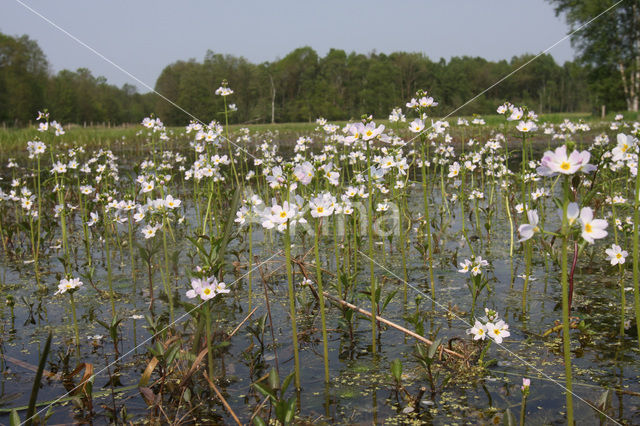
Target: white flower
column 206, row 288
column 70, row 284
column 478, row 330
column 304, row 173
column 322, row 205
column 150, row 231
column 616, row 255
column 416, row 126
column 527, row 126
column 498, row 331
column 592, row 229
column 465, row 266
column 527, row 230
column 171, row 203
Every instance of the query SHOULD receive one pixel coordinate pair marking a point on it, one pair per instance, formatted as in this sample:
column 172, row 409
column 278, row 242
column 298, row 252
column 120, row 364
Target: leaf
column 202, row 252
column 396, row 369
column 291, row 410
column 104, row 324
column 274, row 379
column 87, row 378
column 265, row 391
column 233, row 208
column 433, row 348
column 144, row 379
column 388, row 299
column 287, row 381
column 36, row 381
column 148, row 395
column 257, row 420
column 170, row 355
column 509, row 419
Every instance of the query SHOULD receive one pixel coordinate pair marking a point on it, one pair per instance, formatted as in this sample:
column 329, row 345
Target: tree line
column 299, row 87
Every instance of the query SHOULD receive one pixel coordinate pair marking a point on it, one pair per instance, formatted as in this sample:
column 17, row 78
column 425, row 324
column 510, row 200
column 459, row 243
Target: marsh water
column 362, row 389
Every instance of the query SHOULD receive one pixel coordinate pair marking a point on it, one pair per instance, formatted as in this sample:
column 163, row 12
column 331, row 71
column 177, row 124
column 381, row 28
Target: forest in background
column 299, row 87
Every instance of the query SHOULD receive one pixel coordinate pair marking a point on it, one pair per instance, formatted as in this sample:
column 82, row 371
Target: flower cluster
column 558, row 162
column 493, row 327
column 206, row 288
column 474, row 265
column 68, row 285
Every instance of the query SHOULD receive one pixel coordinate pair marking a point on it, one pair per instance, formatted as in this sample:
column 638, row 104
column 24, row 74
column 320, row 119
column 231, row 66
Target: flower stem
column 370, row 232
column 75, row 324
column 636, row 289
column 325, row 347
column 565, row 304
column 292, row 305
column 207, row 318
column 427, row 222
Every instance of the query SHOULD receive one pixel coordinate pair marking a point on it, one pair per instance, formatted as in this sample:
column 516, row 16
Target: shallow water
column 361, row 387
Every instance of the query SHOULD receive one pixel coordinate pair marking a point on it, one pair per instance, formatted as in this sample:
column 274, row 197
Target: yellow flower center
column 588, row 228
column 625, row 147
column 565, row 165
column 320, row 209
column 369, row 132
column 283, row 214
column 618, row 255
column 207, row 291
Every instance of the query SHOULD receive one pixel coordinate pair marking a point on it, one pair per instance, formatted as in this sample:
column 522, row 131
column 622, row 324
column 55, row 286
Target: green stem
column 523, row 409
column 75, row 324
column 167, row 281
column 207, row 316
column 427, row 222
column 250, row 264
column 372, row 286
column 566, row 344
column 292, row 306
column 108, row 256
column 636, row 289
column 325, row 346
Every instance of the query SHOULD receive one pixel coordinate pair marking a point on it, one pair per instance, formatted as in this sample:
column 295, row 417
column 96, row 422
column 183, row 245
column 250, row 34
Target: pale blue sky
column 144, row 36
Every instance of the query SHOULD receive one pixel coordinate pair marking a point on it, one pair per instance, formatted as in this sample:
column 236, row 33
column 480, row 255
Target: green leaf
column 274, row 379
column 170, row 355
column 36, row 382
column 265, row 391
column 287, row 381
column 388, row 299
column 396, row 369
column 291, row 410
column 433, row 348
column 509, row 419
column 257, row 420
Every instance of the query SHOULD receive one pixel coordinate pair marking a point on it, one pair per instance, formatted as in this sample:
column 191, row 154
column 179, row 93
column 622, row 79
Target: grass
column 14, row 139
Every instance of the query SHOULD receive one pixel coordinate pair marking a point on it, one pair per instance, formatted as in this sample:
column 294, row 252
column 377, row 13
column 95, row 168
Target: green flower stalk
column 70, row 285
column 292, row 305
column 566, row 343
column 372, row 287
column 325, row 345
column 636, row 251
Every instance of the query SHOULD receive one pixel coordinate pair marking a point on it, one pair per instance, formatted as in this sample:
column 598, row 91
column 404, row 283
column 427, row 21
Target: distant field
column 14, row 139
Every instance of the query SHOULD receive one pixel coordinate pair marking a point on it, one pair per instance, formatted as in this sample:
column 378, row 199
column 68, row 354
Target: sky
column 143, row 36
